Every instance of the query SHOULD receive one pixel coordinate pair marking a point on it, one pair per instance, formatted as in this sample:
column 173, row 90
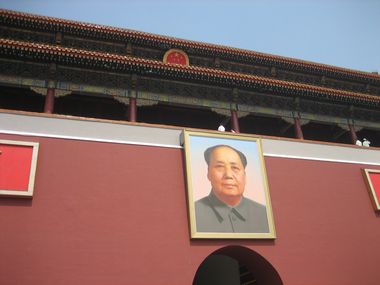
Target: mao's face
column 227, row 175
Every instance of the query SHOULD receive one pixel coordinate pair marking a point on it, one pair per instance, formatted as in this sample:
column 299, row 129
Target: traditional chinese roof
column 51, row 24
column 127, row 64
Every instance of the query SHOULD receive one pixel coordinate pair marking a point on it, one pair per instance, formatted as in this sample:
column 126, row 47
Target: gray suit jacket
column 212, row 215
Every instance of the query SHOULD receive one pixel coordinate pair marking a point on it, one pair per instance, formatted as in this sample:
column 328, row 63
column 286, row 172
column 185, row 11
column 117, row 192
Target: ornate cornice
column 126, row 64
column 50, row 24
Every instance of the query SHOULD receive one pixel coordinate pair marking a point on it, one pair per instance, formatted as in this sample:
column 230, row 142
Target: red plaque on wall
column 372, row 177
column 18, row 162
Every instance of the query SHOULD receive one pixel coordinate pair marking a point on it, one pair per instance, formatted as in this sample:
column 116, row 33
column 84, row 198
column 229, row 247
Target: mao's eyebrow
column 223, row 163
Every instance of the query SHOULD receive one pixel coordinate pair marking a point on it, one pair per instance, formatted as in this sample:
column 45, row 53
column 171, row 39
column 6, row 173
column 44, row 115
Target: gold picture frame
column 18, row 163
column 227, row 186
column 372, row 179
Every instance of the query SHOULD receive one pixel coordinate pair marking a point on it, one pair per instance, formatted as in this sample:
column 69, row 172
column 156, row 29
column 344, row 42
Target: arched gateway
column 235, row 265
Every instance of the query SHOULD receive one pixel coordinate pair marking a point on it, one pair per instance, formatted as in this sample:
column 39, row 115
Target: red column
column 49, row 101
column 132, row 110
column 298, row 129
column 234, row 121
column 353, row 135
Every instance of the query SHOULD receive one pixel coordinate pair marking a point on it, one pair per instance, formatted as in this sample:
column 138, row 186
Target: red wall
column 107, row 213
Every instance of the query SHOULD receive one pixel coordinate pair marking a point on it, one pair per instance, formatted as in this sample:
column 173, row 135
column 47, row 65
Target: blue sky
column 342, row 33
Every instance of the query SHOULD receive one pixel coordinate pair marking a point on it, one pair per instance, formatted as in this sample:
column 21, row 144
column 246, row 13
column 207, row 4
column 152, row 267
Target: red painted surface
column 132, row 110
column 353, row 135
column 298, row 128
column 375, row 180
column 176, row 58
column 15, row 164
column 235, row 122
column 107, row 213
column 49, row 101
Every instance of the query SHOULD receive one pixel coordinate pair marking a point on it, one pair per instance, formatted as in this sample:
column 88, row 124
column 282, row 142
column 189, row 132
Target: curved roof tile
column 188, row 43
column 193, row 72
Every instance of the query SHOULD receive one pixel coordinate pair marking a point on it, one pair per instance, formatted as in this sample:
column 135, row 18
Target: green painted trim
column 160, row 97
column 127, row 93
column 73, row 87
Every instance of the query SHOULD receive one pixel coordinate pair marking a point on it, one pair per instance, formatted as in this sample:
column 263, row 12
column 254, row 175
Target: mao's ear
column 208, row 174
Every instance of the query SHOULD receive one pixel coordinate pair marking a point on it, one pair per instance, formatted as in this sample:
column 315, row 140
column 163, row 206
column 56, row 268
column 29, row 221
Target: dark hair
column 208, row 153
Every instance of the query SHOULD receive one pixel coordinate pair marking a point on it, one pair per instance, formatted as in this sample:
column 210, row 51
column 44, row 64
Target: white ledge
column 74, row 128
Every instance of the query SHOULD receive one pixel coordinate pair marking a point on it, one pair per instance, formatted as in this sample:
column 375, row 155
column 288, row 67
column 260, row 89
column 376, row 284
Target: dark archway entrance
column 236, row 265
